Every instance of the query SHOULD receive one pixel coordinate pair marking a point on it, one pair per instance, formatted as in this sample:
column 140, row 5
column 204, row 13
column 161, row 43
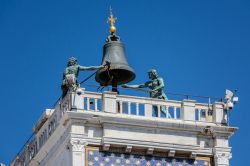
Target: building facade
column 100, row 129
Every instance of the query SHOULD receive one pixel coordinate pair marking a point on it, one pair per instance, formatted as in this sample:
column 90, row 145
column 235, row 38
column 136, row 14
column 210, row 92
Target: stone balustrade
column 187, row 110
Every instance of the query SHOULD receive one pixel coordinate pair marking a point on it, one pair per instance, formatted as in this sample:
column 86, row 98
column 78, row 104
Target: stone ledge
column 157, row 146
column 171, row 124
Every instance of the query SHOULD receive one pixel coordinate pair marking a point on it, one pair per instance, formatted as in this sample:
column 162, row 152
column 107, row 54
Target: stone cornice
column 161, row 123
column 157, row 146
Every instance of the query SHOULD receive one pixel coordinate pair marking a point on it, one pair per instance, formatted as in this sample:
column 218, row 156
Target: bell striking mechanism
column 119, row 72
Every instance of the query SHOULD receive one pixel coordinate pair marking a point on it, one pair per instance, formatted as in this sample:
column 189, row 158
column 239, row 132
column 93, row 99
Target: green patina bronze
column 156, row 86
column 71, row 73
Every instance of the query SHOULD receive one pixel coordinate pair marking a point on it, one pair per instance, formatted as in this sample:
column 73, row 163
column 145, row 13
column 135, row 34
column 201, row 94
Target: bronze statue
column 71, row 73
column 156, row 86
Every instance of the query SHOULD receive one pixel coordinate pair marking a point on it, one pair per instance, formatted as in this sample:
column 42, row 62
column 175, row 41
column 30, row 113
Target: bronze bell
column 119, row 71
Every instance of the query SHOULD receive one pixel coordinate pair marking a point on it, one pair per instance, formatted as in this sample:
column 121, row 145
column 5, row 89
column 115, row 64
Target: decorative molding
column 150, row 151
column 193, row 155
column 222, row 158
column 78, row 145
column 169, row 124
column 208, row 131
column 128, row 149
column 106, row 147
column 171, row 153
column 157, row 145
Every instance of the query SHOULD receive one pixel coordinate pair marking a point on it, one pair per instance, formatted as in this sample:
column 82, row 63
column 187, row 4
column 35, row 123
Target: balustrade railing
column 148, row 107
column 141, row 106
column 203, row 112
column 92, row 101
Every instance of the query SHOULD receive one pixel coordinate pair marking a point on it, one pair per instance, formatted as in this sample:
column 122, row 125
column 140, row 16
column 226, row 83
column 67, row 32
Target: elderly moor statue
column 156, row 86
column 71, row 73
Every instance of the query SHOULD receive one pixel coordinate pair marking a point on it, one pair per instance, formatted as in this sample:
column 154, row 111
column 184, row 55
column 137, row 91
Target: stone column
column 188, row 110
column 109, row 103
column 222, row 156
column 78, row 152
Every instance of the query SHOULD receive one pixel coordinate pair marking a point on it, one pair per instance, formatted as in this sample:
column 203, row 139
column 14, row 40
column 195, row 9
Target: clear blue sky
column 198, row 47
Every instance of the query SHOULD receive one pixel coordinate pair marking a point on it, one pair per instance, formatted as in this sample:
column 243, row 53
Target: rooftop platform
column 108, row 120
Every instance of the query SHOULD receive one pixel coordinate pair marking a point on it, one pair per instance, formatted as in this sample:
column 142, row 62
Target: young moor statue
column 156, row 86
column 70, row 75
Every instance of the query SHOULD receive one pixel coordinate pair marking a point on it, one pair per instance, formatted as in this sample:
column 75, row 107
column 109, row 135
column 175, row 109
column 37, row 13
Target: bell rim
column 131, row 74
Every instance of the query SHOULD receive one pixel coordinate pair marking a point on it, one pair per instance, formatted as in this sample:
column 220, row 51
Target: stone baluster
column 167, row 111
column 175, row 113
column 129, row 108
column 199, row 114
column 158, row 110
column 88, row 106
column 96, row 101
column 121, row 107
column 137, row 108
